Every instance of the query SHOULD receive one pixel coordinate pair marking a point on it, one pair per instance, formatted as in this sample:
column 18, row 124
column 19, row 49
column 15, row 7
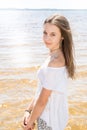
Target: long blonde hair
column 67, row 43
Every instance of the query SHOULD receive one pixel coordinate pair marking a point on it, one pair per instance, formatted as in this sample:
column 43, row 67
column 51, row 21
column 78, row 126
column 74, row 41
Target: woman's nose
column 47, row 38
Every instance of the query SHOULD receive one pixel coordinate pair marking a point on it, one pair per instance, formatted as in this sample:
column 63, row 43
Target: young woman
column 50, row 107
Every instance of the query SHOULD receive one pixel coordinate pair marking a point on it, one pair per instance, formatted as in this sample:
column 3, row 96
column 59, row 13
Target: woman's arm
column 27, row 112
column 39, row 106
column 31, row 105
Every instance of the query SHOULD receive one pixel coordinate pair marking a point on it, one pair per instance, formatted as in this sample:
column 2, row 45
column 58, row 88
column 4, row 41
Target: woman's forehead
column 51, row 27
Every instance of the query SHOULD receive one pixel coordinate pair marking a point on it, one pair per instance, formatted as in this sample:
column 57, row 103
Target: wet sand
column 18, row 86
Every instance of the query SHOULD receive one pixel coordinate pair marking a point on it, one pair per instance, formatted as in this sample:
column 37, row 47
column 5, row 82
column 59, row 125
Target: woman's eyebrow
column 44, row 31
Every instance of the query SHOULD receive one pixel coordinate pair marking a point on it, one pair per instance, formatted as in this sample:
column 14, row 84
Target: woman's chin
column 48, row 46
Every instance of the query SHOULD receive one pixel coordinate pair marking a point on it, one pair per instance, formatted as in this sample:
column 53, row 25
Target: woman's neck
column 55, row 53
column 53, row 50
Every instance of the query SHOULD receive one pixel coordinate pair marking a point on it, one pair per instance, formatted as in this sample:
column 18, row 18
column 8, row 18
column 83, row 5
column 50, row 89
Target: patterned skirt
column 42, row 125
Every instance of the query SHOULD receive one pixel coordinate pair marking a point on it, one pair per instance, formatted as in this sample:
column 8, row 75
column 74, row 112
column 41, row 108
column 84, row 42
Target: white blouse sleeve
column 55, row 79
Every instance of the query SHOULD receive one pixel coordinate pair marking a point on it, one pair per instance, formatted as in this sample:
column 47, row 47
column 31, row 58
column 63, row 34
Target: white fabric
column 56, row 110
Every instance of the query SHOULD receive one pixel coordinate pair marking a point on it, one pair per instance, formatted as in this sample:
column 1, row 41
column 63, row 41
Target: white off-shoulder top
column 55, row 114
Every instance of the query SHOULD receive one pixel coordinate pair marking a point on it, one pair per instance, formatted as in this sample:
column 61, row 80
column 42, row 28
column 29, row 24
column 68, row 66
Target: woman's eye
column 45, row 33
column 52, row 34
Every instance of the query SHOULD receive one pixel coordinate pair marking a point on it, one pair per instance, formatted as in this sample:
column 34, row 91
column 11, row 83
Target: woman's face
column 52, row 36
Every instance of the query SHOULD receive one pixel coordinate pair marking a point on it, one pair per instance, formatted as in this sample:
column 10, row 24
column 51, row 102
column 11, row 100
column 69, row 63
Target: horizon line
column 38, row 9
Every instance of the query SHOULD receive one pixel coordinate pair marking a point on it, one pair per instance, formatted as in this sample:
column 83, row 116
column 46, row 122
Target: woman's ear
column 62, row 38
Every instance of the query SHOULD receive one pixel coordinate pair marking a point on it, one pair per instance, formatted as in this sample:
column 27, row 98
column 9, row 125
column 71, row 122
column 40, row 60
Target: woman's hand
column 25, row 119
column 26, row 124
column 28, row 127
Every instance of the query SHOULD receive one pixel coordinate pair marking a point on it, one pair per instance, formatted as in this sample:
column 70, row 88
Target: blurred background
column 22, row 52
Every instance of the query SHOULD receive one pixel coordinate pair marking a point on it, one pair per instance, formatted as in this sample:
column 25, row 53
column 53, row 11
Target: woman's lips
column 48, row 43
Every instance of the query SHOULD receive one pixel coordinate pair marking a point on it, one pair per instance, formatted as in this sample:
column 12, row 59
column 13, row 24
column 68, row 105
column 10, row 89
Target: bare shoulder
column 58, row 62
